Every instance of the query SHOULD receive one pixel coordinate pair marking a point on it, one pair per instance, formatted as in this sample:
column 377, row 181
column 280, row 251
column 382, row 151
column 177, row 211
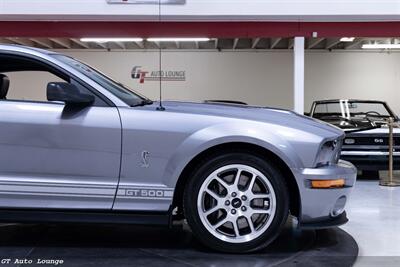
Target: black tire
column 209, row 165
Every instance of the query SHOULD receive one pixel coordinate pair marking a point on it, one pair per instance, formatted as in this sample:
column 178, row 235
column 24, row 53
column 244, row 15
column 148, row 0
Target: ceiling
column 215, row 43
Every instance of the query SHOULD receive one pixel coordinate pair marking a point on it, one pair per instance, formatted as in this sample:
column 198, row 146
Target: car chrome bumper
column 371, row 160
column 368, row 153
column 325, row 206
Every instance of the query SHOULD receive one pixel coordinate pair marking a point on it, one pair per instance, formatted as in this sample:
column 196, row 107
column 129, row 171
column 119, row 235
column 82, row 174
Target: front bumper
column 324, row 207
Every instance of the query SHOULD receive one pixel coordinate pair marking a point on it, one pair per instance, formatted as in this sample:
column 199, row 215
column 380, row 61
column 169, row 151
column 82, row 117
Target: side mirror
column 68, row 93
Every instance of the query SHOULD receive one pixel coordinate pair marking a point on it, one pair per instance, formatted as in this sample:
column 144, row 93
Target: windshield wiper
column 143, row 102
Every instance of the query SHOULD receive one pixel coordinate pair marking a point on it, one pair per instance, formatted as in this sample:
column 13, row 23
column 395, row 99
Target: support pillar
column 298, row 87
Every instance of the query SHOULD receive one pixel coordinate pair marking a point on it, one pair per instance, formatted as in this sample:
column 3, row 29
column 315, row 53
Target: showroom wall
column 259, row 78
column 256, row 78
column 364, row 75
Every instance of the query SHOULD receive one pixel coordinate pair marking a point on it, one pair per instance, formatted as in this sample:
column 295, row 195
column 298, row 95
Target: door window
column 25, row 79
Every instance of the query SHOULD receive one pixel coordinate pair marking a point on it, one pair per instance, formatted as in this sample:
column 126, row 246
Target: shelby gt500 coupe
column 94, row 151
column 367, row 135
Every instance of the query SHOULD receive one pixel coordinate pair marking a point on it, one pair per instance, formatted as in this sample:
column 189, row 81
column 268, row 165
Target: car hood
column 253, row 113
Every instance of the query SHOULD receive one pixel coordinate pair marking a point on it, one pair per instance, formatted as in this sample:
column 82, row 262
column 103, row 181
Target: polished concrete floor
column 116, row 245
column 374, row 214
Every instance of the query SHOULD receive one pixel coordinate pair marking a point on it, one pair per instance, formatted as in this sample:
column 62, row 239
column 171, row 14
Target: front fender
column 252, row 133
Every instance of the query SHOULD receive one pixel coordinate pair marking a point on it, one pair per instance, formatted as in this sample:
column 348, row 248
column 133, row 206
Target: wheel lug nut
column 244, row 208
column 227, row 203
column 234, row 194
column 233, row 211
column 244, row 198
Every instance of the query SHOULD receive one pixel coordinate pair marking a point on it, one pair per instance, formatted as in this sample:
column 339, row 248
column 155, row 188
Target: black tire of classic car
column 197, row 186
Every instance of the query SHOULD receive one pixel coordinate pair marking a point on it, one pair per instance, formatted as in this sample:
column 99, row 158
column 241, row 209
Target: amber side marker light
column 327, row 183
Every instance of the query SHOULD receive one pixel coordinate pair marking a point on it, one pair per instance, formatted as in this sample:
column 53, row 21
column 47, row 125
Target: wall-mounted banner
column 151, row 2
column 156, row 75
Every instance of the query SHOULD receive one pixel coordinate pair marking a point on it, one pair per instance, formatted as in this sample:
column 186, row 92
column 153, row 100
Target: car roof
column 348, row 100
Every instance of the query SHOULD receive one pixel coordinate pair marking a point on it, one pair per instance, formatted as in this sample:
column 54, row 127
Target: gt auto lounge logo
column 168, row 75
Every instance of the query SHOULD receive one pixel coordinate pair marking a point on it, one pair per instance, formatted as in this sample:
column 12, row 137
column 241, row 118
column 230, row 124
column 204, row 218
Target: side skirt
column 66, row 216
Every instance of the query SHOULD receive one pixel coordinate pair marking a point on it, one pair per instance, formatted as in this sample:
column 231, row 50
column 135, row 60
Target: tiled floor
column 374, row 214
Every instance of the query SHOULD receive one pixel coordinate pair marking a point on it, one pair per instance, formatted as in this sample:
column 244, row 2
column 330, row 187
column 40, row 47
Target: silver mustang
column 98, row 152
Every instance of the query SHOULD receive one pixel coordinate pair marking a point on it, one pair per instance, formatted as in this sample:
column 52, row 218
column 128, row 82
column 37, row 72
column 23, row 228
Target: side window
column 25, row 79
column 29, row 85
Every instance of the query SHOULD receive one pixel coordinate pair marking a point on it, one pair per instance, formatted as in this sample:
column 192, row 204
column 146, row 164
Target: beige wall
column 365, row 75
column 256, row 78
column 260, row 78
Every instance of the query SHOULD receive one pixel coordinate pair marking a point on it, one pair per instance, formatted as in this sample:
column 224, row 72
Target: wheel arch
column 294, row 194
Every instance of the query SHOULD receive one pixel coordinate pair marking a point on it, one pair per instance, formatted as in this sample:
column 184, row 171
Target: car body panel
column 183, row 130
column 50, row 158
column 314, row 203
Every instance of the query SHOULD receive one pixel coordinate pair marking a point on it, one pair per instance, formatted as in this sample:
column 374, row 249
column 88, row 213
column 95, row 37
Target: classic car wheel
column 236, row 203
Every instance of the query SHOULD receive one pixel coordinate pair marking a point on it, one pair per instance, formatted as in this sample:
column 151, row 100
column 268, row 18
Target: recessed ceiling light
column 380, row 46
column 347, row 39
column 197, row 39
column 106, row 40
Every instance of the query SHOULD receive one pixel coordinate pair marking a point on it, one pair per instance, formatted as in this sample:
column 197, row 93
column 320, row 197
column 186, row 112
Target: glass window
column 118, row 89
column 347, row 109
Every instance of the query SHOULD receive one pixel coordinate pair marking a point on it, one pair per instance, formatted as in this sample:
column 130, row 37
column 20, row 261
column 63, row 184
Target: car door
column 53, row 156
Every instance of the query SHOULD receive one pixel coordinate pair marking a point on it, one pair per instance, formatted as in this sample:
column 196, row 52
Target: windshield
column 351, row 109
column 119, row 90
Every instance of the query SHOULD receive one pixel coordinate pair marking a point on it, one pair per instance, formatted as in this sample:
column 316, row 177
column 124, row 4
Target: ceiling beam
column 331, row 42
column 66, row 43
column 102, row 45
column 82, row 44
column 6, row 41
column 235, row 42
column 140, row 44
column 21, row 41
column 290, row 43
column 255, row 42
column 314, row 42
column 158, row 45
column 120, row 45
column 222, row 29
column 43, row 42
column 275, row 42
column 354, row 44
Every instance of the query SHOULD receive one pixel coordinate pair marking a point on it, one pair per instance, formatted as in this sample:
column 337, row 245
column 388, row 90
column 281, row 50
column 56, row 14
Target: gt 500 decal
column 148, row 193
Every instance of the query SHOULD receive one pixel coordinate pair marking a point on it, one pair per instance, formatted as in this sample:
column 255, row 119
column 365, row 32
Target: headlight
column 329, row 153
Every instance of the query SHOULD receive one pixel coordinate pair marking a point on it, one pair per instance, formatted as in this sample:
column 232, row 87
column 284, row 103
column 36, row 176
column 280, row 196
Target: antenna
column 160, row 106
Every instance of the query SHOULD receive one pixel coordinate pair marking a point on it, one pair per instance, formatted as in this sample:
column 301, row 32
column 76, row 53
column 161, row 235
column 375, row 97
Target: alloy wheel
column 236, row 203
